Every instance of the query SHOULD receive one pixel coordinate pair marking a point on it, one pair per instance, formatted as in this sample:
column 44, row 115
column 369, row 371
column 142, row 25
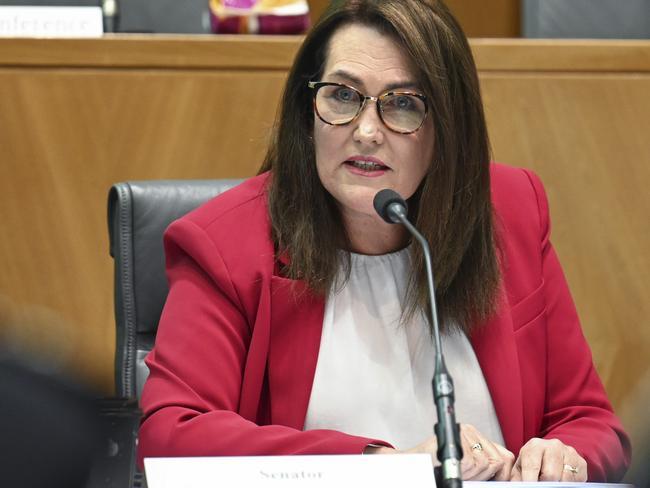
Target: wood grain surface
column 496, row 18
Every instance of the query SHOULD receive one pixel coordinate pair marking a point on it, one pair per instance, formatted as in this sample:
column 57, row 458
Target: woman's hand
column 548, row 460
column 482, row 459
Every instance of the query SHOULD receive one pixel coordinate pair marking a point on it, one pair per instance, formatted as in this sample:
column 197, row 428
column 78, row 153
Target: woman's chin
column 360, row 205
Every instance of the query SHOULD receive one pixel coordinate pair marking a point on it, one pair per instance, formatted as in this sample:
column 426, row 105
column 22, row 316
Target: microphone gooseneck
column 393, row 209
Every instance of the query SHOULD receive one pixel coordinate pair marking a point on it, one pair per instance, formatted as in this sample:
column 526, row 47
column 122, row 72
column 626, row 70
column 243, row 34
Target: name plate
column 378, row 471
column 51, row 22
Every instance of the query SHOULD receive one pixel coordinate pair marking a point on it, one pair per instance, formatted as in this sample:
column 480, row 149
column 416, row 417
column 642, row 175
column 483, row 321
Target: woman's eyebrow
column 349, row 77
column 346, row 76
column 401, row 85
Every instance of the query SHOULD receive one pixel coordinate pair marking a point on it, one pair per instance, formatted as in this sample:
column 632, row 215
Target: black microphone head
column 384, row 199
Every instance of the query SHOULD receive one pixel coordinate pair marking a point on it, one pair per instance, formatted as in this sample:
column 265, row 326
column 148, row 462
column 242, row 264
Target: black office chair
column 138, row 214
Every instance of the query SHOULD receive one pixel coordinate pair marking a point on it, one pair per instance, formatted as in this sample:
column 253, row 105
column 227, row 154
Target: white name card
column 51, row 22
column 412, row 470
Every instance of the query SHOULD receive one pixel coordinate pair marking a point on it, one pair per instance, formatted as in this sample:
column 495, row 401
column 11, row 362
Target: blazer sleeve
column 577, row 411
column 190, row 400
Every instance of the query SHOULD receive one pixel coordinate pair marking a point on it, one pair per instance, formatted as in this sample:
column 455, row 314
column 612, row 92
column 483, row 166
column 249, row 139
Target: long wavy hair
column 452, row 206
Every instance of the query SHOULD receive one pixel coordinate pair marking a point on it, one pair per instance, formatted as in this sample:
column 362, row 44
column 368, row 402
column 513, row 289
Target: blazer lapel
column 496, row 351
column 297, row 318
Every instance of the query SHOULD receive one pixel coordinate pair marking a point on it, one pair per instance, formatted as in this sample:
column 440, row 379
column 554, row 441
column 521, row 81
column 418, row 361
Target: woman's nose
column 369, row 127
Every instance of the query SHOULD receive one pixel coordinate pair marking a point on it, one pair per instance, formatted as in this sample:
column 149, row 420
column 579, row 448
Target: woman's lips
column 362, row 158
column 366, row 167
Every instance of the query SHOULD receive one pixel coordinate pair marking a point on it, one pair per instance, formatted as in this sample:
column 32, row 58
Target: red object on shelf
column 259, row 16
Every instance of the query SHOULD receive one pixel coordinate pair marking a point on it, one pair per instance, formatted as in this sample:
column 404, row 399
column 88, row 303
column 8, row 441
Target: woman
column 294, row 322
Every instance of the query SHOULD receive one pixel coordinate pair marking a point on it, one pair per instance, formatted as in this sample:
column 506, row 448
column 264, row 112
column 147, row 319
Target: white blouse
column 373, row 376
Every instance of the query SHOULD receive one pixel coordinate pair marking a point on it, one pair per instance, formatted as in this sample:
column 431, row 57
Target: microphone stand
column 447, row 430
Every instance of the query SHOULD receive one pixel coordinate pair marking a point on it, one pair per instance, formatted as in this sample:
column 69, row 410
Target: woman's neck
column 371, row 235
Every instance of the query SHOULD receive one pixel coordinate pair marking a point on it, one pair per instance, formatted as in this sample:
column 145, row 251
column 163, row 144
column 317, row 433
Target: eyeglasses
column 339, row 104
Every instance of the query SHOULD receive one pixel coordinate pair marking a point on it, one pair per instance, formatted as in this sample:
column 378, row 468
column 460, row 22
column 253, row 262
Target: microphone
column 393, row 209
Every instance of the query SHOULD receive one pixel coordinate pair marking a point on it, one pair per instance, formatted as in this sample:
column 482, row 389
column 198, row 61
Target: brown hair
column 452, row 206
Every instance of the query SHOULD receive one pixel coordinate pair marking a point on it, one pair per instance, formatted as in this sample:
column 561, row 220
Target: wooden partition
column 496, row 18
column 478, row 18
column 76, row 116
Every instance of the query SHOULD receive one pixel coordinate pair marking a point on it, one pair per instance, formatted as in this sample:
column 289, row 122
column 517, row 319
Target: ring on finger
column 477, row 447
column 570, row 469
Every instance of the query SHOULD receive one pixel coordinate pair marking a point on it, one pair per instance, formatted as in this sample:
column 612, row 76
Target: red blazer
column 236, row 349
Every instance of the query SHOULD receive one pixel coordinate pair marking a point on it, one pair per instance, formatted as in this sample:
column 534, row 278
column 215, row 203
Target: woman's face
column 362, row 57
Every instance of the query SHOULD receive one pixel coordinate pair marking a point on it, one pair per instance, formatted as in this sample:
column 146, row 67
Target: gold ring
column 477, row 447
column 570, row 469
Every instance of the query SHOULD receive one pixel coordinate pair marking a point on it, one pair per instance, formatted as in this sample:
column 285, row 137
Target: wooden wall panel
column 496, row 18
column 316, row 8
column 67, row 135
column 76, row 116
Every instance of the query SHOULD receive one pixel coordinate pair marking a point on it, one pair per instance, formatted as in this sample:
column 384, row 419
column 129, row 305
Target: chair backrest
column 138, row 214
